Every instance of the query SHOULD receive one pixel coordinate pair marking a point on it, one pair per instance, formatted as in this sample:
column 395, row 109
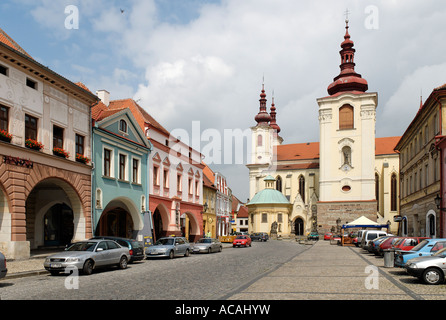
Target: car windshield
column 165, row 242
column 207, row 240
column 440, row 253
column 241, row 237
column 136, row 244
column 420, row 245
column 82, row 246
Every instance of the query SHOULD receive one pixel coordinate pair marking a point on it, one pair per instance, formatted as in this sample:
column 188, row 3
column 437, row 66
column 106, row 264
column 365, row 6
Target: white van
column 359, row 237
column 371, row 235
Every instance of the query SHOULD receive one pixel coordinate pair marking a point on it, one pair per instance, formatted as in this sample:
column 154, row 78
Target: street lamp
column 438, row 203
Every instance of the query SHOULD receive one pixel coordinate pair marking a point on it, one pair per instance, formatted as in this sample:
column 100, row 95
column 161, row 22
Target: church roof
column 310, row 151
column 269, row 196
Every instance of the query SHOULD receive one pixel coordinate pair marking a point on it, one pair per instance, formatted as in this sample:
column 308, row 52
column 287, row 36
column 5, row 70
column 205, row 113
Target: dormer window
column 123, row 126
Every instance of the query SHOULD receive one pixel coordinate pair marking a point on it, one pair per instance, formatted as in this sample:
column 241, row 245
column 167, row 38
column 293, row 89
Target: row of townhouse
column 74, row 164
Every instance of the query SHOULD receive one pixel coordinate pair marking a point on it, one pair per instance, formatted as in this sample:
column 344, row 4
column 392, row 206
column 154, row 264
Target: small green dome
column 269, row 196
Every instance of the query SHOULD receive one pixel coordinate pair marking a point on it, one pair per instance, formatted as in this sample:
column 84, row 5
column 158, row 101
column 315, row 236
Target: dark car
column 260, row 236
column 3, row 269
column 136, row 248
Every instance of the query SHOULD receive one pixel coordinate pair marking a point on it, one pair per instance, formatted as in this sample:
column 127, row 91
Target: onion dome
column 263, row 117
column 348, row 79
column 273, row 124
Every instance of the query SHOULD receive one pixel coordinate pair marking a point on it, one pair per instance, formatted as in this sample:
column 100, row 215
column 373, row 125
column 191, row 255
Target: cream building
column 348, row 174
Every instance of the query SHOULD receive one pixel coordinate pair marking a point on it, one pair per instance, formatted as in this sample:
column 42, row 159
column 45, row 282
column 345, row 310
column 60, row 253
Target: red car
column 241, row 240
column 387, row 244
column 408, row 243
column 327, row 236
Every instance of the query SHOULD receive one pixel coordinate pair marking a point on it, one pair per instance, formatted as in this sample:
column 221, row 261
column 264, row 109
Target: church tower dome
column 348, row 79
column 263, row 117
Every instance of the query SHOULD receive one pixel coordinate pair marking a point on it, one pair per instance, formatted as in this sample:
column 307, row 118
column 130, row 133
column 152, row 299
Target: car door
column 101, row 254
column 114, row 254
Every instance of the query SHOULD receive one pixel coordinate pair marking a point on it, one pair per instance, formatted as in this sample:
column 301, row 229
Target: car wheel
column 187, row 254
column 171, row 254
column 433, row 276
column 88, row 267
column 123, row 263
column 209, row 250
column 54, row 272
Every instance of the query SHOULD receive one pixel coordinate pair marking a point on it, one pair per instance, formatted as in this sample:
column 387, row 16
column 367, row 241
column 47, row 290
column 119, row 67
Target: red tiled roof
column 309, row 151
column 4, row 38
column 242, row 212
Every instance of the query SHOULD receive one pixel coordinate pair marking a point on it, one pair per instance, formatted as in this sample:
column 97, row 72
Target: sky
column 190, row 62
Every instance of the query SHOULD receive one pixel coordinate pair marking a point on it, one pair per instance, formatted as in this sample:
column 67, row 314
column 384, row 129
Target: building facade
column 422, row 161
column 120, row 177
column 45, row 172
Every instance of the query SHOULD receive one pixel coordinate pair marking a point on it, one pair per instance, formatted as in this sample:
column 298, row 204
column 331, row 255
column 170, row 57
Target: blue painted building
column 120, row 175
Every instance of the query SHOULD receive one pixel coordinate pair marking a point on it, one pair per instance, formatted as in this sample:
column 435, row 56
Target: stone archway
column 160, row 221
column 299, row 226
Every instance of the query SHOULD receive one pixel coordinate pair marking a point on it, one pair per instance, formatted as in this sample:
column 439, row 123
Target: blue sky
column 194, row 60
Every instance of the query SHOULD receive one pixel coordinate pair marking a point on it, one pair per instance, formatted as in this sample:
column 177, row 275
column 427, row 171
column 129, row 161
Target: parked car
column 87, row 256
column 374, row 244
column 407, row 243
column 242, row 240
column 169, row 247
column 313, row 236
column 387, row 244
column 136, row 248
column 3, row 269
column 426, row 247
column 261, row 236
column 359, row 237
column 207, row 245
column 431, row 269
column 370, row 235
column 327, row 235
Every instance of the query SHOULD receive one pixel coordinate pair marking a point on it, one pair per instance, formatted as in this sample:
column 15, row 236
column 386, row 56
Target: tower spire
column 348, row 79
column 273, row 124
column 263, row 117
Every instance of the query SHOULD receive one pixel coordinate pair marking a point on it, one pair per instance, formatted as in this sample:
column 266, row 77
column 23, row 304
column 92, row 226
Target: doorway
column 299, row 227
column 58, row 225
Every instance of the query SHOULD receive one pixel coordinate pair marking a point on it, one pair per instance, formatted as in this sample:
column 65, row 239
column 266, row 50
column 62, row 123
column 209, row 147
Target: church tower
column 347, row 146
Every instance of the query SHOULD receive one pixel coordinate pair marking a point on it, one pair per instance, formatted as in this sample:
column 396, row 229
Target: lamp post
column 438, row 203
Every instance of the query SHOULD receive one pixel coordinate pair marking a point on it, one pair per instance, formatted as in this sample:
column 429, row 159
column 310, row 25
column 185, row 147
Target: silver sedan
column 207, row 245
column 88, row 255
column 430, row 269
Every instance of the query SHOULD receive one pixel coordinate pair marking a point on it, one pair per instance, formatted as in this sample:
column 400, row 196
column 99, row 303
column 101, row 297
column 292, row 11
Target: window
column 155, row 175
column 31, row 83
column 346, row 117
column 393, row 193
column 123, row 126
column 279, row 218
column 259, row 140
column 179, row 186
column 264, row 217
column 190, row 186
column 435, row 124
column 80, row 144
column 30, row 127
column 197, row 188
column 4, row 116
column 279, row 183
column 135, row 171
column 122, row 164
column 302, row 187
column 426, row 175
column 57, row 137
column 166, row 178
column 107, row 162
column 98, row 198
column 4, row 70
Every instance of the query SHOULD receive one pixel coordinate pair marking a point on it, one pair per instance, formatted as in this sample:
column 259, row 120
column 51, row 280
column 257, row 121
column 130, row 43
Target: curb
column 25, row 274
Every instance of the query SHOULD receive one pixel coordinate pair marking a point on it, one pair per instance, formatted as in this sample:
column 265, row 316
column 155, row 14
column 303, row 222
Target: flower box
column 60, row 152
column 33, row 144
column 5, row 136
column 81, row 158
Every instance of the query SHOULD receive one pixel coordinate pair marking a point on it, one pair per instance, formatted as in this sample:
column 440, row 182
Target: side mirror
column 99, row 249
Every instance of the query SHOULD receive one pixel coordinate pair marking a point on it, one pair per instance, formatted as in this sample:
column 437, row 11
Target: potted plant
column 81, row 158
column 33, row 144
column 5, row 136
column 60, row 152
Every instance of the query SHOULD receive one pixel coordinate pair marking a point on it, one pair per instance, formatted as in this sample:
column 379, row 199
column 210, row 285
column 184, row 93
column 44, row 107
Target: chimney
column 104, row 95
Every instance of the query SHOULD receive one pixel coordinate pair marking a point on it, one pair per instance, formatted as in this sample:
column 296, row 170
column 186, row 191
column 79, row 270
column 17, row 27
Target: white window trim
column 126, row 165
column 138, row 179
column 112, row 161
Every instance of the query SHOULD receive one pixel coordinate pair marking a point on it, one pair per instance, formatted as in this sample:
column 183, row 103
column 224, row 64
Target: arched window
column 123, row 126
column 430, row 225
column 302, row 187
column 346, row 117
column 259, row 140
column 393, row 193
column 279, row 183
